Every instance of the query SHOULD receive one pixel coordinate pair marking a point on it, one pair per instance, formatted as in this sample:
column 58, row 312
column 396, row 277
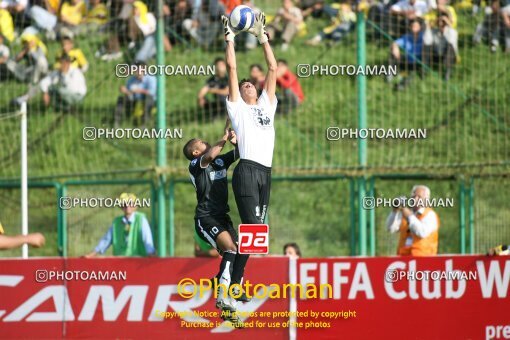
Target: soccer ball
column 242, row 18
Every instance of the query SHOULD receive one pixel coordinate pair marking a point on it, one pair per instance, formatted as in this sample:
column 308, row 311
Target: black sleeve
column 211, row 82
column 223, row 83
column 194, row 166
column 230, row 157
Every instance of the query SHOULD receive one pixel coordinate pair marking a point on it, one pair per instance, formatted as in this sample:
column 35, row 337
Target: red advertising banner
column 447, row 297
column 459, row 297
column 97, row 301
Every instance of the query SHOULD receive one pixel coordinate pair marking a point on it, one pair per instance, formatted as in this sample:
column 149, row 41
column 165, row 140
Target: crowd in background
column 27, row 28
column 424, row 32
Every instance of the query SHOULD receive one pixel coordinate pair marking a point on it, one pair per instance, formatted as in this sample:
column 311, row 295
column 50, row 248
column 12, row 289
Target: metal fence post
column 352, row 234
column 371, row 221
column 362, row 217
column 471, row 216
column 362, row 124
column 161, row 124
column 60, row 220
column 171, row 217
column 462, row 217
column 63, row 223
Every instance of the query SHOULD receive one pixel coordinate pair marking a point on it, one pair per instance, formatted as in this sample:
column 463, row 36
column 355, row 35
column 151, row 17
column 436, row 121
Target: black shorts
column 252, row 185
column 209, row 227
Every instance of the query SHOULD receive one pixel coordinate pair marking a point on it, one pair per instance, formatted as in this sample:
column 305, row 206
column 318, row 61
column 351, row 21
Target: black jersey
column 211, row 184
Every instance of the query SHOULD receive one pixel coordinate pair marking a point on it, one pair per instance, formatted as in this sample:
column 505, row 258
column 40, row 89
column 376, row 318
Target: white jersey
column 421, row 7
column 254, row 127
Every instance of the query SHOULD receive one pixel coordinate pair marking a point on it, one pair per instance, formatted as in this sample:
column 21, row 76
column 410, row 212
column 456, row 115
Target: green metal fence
column 337, row 234
column 44, row 214
column 82, row 225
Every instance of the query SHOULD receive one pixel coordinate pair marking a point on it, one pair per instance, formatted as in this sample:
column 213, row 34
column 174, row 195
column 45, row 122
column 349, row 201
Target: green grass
column 466, row 119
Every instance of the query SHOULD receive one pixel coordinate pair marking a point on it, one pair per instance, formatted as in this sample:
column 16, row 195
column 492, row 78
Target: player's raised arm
column 230, row 57
column 215, row 150
column 270, row 82
column 259, row 30
column 233, row 87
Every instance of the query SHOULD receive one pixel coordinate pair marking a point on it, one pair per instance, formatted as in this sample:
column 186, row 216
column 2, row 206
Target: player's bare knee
column 226, row 245
column 231, row 248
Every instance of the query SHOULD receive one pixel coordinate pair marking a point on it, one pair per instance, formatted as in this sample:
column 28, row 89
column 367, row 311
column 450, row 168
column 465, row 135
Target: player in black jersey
column 208, row 173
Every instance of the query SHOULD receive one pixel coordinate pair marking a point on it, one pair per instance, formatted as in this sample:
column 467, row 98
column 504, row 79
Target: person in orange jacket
column 418, row 226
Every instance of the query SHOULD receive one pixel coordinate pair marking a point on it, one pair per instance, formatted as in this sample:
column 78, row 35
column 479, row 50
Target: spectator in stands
column 128, row 27
column 36, row 240
column 6, row 25
column 500, row 250
column 257, row 76
column 230, row 5
column 404, row 11
column 29, row 65
column 291, row 94
column 342, row 23
column 65, row 87
column 44, row 16
column 97, row 17
column 121, row 28
column 146, row 23
column 17, row 9
column 315, row 8
column 286, row 23
column 14, row 6
column 78, row 59
column 133, row 19
column 71, row 15
column 494, row 26
column 4, row 56
column 412, row 45
column 205, row 25
column 378, row 12
column 322, row 9
column 217, row 85
column 418, row 228
column 175, row 14
column 505, row 13
column 138, row 96
column 441, row 8
column 410, row 9
column 122, row 8
column 204, row 249
column 130, row 234
column 292, row 250
column 441, row 45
